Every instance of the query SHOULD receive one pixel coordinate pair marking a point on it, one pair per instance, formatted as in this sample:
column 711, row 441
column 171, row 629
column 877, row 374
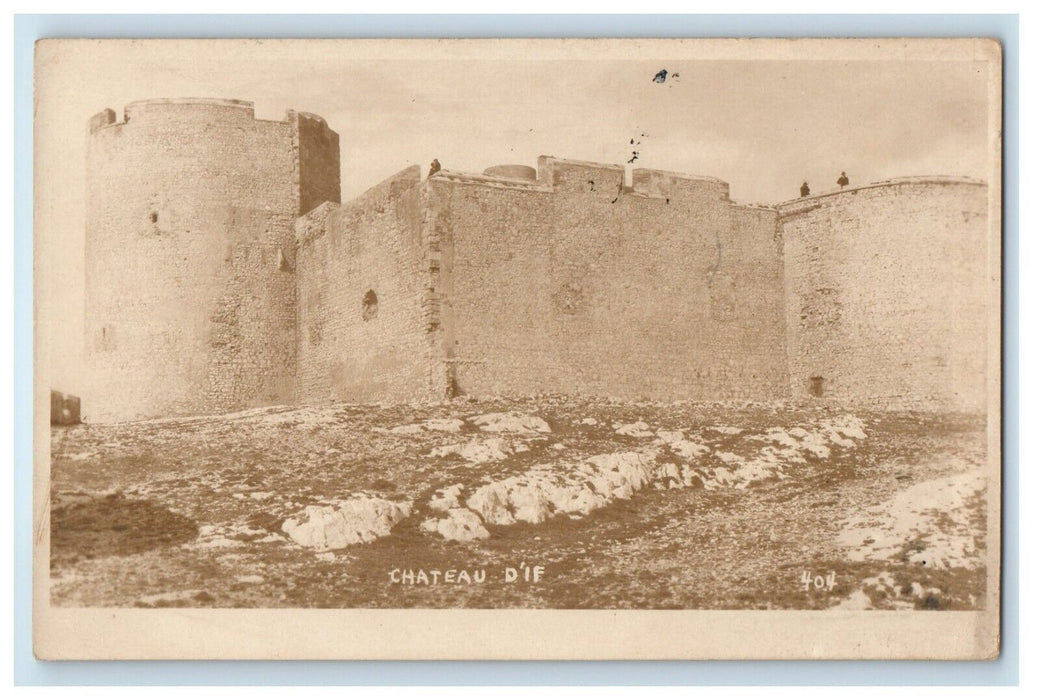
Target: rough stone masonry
column 222, row 273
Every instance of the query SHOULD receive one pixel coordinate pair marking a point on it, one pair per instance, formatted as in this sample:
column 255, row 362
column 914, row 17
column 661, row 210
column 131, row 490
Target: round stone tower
column 190, row 252
column 887, row 292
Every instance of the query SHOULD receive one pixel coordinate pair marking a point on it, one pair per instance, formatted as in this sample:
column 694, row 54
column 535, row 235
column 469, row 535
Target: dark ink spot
column 369, row 306
column 662, row 75
column 930, row 603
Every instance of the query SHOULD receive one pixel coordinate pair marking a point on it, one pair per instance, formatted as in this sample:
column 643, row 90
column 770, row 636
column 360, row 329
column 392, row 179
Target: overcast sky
column 764, row 126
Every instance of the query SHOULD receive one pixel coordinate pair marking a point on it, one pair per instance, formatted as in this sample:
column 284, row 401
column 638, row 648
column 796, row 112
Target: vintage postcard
column 515, row 349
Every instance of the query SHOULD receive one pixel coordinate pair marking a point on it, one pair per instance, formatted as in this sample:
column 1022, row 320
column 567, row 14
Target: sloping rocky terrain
column 543, row 502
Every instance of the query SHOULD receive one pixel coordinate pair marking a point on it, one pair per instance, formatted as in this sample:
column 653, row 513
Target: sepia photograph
column 579, row 348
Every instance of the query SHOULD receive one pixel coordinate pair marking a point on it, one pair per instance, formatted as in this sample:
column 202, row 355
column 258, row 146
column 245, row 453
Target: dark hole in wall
column 816, row 386
column 369, row 306
column 453, row 389
column 154, row 217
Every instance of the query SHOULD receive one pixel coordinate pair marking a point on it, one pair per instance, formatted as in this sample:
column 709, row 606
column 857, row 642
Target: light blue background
column 28, row 671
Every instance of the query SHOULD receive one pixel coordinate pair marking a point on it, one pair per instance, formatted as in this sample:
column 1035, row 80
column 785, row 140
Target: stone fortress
column 223, row 273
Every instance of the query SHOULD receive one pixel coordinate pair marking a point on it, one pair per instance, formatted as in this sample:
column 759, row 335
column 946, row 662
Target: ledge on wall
column 646, row 182
column 800, row 204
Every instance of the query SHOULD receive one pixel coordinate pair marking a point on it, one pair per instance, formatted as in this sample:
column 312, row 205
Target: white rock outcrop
column 543, row 491
column 479, row 451
column 441, row 425
column 356, row 520
column 677, row 443
column 445, row 499
column 577, row 488
column 461, row 525
column 726, row 429
column 510, row 423
column 930, row 524
column 637, row 429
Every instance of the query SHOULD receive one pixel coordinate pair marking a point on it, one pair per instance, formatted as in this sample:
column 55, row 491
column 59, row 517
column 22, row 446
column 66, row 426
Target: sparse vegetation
column 189, row 512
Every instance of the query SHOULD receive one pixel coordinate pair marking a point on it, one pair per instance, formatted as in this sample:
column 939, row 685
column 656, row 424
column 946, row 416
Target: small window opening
column 816, row 386
column 369, row 306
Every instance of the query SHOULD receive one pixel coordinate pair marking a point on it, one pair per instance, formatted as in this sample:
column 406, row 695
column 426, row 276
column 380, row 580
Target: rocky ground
column 543, row 502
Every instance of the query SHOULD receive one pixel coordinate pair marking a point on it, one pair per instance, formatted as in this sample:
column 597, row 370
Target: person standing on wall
column 843, row 180
column 805, row 189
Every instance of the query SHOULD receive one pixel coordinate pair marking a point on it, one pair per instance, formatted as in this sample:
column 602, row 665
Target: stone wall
column 222, row 273
column 190, row 289
column 576, row 284
column 887, row 292
column 361, row 275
